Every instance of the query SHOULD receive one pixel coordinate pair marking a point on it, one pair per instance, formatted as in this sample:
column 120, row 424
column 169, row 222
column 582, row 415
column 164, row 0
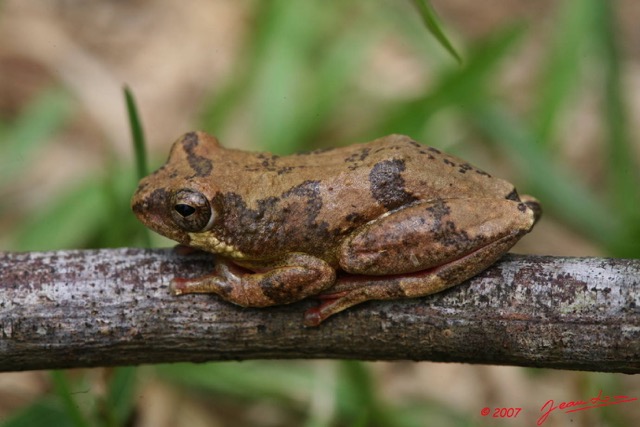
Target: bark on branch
column 72, row 309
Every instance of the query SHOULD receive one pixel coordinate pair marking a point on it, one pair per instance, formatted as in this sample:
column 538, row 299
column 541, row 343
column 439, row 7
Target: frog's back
column 432, row 174
column 396, row 161
column 373, row 177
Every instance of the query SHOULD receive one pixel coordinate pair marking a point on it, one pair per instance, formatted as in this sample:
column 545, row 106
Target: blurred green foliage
column 296, row 87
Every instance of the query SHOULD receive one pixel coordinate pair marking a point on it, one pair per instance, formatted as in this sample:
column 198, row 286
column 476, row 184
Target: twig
column 72, row 309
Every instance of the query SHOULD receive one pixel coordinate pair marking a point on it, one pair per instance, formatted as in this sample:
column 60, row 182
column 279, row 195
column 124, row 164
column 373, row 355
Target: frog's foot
column 353, row 290
column 350, row 290
column 363, row 288
column 295, row 277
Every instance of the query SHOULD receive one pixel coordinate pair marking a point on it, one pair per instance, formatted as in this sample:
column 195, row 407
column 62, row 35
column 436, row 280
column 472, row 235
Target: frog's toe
column 177, row 286
column 313, row 317
column 331, row 303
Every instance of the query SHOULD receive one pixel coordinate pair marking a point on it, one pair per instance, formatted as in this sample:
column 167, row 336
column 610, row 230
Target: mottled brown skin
column 393, row 217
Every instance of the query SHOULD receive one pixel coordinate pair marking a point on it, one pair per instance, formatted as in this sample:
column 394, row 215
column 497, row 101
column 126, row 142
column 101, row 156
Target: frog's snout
column 148, row 206
column 138, row 207
column 140, row 201
column 533, row 204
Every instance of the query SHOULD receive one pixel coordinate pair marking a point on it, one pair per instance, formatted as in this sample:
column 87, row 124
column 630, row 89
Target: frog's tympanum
column 387, row 219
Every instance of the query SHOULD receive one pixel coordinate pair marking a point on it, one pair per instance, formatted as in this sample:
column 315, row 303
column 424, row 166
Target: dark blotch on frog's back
column 200, row 165
column 388, row 185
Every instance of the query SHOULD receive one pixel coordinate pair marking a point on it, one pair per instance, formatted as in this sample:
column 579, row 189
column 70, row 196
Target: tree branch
column 71, row 309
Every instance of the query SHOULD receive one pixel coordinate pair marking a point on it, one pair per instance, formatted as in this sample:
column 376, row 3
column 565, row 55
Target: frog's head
column 174, row 201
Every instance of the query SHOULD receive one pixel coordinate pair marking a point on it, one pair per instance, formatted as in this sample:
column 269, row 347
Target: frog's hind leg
column 350, row 290
column 429, row 234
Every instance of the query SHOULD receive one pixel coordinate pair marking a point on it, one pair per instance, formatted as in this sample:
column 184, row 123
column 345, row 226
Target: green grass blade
column 299, row 73
column 428, row 15
column 624, row 178
column 324, row 83
column 137, row 134
column 562, row 69
column 218, row 110
column 254, row 75
column 357, row 398
column 120, row 396
column 284, row 83
column 139, row 148
column 457, row 87
column 61, row 386
column 45, row 412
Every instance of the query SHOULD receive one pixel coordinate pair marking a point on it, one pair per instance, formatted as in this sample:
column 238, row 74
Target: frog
column 382, row 220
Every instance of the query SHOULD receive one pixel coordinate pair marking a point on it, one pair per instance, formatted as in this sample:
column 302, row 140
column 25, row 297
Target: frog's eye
column 191, row 210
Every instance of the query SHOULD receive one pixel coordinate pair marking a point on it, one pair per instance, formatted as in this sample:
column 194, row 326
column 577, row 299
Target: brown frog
column 393, row 217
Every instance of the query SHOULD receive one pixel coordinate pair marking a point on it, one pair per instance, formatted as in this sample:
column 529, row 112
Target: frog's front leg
column 293, row 278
